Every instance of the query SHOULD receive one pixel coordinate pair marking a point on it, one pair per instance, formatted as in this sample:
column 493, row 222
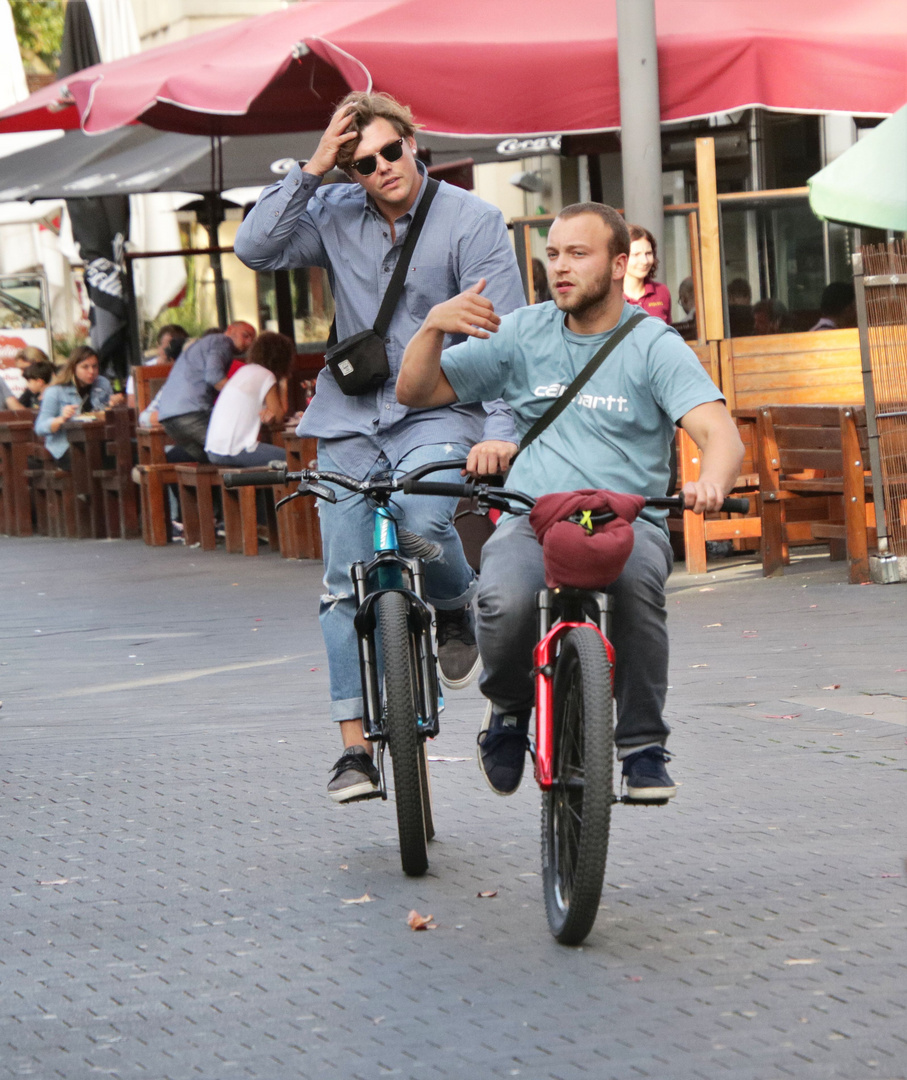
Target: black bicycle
column 400, row 690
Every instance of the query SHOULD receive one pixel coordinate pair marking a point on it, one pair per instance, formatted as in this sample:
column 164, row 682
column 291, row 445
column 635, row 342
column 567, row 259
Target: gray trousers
column 511, row 575
column 189, row 430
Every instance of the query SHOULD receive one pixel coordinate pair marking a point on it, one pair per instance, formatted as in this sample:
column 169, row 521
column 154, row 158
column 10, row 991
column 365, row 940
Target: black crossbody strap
column 394, row 290
column 557, row 407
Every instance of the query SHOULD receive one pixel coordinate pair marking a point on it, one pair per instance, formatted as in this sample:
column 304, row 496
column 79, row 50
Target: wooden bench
column 16, row 440
column 815, row 453
column 792, row 369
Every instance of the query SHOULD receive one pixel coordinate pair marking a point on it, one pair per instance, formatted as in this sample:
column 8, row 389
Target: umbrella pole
column 214, row 215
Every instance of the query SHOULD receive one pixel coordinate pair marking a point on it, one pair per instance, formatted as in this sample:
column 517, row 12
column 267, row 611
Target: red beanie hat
column 574, row 557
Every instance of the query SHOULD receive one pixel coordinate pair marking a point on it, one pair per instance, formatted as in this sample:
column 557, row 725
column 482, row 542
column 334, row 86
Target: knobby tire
column 576, row 812
column 401, row 720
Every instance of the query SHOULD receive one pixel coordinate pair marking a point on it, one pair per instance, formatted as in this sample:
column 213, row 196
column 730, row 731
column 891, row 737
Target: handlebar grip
column 255, row 478
column 736, row 506
column 437, row 487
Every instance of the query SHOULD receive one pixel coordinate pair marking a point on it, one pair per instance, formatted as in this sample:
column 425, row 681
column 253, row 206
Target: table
column 16, row 438
column 86, row 449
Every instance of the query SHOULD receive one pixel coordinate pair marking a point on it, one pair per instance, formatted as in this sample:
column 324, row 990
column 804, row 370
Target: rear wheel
column 411, row 795
column 576, row 812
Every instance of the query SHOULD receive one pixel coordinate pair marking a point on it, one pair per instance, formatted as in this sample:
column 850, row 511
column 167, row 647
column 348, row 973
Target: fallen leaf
column 363, row 899
column 801, row 961
column 489, row 893
column 57, row 881
column 415, row 921
column 832, row 686
column 449, row 758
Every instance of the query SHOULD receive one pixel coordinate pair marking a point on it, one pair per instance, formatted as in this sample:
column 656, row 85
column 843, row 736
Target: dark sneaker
column 458, row 654
column 355, row 776
column 503, row 741
column 646, row 775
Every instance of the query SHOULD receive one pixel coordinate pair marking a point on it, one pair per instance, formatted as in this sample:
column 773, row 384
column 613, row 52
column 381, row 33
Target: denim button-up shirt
column 295, row 223
column 55, row 399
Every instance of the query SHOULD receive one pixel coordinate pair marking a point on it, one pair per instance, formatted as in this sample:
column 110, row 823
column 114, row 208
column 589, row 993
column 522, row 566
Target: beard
column 583, row 300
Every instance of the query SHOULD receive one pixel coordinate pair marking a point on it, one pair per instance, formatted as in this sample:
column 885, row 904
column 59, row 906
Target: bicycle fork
column 558, row 612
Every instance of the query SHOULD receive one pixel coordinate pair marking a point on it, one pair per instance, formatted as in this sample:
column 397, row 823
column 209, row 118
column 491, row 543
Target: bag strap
column 558, row 406
column 392, row 296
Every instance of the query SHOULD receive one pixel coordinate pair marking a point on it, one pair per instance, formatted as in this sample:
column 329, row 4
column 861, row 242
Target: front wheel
column 401, row 698
column 576, row 811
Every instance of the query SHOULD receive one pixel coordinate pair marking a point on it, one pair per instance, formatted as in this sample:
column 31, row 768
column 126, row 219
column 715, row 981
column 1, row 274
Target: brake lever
column 321, row 490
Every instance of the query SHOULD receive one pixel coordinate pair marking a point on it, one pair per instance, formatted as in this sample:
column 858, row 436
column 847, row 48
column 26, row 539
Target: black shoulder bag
column 359, row 362
column 557, row 407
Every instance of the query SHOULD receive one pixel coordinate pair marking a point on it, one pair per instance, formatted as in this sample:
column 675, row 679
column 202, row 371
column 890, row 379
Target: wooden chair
column 147, row 380
column 155, row 473
column 53, row 495
column 698, row 529
column 196, row 487
column 816, row 453
column 241, row 517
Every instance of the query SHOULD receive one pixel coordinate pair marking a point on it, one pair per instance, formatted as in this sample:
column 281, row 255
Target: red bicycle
column 574, row 734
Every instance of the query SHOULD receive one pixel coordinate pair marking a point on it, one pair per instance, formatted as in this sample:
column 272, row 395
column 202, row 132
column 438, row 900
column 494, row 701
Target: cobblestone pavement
column 175, row 882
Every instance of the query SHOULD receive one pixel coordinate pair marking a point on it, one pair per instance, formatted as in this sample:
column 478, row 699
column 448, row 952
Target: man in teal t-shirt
column 616, row 434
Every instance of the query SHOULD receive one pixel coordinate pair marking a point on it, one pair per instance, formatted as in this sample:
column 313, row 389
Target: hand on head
column 335, row 135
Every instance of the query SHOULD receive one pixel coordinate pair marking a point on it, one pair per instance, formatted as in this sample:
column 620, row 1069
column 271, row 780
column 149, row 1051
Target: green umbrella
column 867, row 184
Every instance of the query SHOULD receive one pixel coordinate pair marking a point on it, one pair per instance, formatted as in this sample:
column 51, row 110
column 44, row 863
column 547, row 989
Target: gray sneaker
column 355, row 776
column 458, row 654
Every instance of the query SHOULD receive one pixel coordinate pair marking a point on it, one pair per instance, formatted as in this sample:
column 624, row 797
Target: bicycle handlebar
column 487, row 491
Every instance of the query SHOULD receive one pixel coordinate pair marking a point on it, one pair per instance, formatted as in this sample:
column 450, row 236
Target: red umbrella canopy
column 492, row 66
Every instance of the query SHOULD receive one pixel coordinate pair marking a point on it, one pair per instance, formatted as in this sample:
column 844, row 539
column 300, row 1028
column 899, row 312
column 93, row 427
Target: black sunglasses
column 367, row 165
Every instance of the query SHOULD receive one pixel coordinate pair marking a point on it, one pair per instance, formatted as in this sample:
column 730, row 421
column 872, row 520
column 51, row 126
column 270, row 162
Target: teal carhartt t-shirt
column 617, row 433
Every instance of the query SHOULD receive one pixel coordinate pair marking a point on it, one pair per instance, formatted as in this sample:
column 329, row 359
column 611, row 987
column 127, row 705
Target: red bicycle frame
column 544, row 656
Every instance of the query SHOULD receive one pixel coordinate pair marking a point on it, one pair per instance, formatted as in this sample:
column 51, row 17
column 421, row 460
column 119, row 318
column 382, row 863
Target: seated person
column 739, row 308
column 769, row 317
column 8, row 399
column 37, row 378
column 251, row 398
column 170, row 340
column 199, row 373
column 838, row 307
column 687, row 297
column 78, row 389
column 615, row 434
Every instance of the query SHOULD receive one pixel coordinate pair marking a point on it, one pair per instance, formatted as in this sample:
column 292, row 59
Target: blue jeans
column 513, row 571
column 347, row 536
column 250, row 459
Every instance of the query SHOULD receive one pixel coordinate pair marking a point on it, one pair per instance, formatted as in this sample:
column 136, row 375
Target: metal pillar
column 640, row 116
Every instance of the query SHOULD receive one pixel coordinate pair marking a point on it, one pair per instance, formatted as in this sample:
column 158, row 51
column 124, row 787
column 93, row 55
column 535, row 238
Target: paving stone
column 173, row 875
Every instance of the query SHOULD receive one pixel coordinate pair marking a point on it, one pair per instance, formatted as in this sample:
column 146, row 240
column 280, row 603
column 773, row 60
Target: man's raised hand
column 335, row 135
column 468, row 313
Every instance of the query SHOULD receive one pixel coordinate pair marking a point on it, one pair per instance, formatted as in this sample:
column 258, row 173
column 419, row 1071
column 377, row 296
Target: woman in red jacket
column 639, row 288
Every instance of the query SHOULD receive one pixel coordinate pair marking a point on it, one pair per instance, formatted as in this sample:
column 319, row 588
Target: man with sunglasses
column 355, row 232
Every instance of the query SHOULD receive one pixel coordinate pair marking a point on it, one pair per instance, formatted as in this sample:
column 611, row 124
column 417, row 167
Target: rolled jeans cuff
column 457, row 602
column 347, row 709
